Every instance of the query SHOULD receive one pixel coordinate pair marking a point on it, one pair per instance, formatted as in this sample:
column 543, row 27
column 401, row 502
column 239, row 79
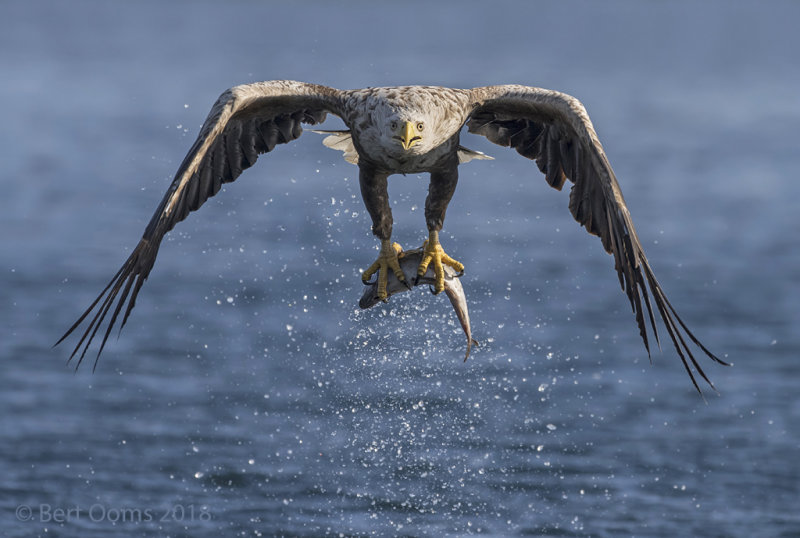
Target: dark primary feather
column 554, row 130
column 245, row 122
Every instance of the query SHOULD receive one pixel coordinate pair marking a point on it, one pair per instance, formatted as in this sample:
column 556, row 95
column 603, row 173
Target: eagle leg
column 440, row 192
column 387, row 259
column 376, row 199
column 434, row 253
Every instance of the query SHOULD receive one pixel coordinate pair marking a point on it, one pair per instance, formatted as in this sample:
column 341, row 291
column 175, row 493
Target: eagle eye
column 420, row 126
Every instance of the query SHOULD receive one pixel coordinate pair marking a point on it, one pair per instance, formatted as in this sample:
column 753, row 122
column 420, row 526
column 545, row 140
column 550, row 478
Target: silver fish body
column 409, row 261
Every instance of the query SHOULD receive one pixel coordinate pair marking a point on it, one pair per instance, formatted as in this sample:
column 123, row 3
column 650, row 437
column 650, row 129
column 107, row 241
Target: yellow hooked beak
column 409, row 135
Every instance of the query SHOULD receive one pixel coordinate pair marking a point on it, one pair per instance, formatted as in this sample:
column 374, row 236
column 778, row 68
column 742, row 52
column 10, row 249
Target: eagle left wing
column 554, row 129
column 245, row 121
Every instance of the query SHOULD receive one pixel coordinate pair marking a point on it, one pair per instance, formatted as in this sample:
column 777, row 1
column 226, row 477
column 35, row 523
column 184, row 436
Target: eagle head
column 407, row 132
column 408, row 126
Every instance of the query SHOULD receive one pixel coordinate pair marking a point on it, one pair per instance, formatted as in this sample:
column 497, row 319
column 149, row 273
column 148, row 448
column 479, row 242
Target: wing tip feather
column 674, row 324
column 129, row 280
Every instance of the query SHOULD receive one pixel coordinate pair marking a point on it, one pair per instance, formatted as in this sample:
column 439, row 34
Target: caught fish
column 409, row 261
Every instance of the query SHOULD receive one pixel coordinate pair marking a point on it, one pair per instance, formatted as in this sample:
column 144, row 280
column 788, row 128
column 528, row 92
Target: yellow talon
column 433, row 252
column 387, row 259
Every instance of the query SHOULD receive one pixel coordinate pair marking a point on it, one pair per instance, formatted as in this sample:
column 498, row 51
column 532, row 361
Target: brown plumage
column 547, row 126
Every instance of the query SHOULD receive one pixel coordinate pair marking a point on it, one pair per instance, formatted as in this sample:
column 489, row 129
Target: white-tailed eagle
column 399, row 130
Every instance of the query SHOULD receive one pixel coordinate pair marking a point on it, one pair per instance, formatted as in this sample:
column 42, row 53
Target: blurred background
column 248, row 396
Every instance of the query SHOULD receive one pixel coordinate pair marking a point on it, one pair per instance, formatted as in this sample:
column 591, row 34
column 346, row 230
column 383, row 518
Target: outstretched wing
column 245, row 121
column 554, row 129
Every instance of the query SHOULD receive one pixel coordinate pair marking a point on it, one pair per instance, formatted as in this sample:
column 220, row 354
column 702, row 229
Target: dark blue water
column 247, row 396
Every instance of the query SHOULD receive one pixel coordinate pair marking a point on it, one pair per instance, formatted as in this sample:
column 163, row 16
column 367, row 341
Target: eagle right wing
column 554, row 129
column 246, row 121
